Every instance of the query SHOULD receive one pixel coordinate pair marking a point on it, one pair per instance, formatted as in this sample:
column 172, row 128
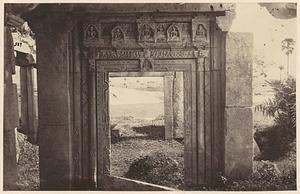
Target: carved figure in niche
column 160, row 32
column 146, row 65
column 91, row 33
column 147, row 33
column 117, row 34
column 201, row 31
column 173, row 33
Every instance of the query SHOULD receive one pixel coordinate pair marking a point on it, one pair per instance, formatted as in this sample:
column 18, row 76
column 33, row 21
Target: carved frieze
column 165, row 53
column 153, row 53
column 118, row 54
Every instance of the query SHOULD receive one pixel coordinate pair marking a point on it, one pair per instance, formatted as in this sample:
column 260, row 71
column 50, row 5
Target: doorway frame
column 101, row 94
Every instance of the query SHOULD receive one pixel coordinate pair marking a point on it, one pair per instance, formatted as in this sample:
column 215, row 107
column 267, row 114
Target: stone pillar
column 168, row 106
column 238, row 105
column 178, row 130
column 11, row 115
column 54, row 101
column 28, row 110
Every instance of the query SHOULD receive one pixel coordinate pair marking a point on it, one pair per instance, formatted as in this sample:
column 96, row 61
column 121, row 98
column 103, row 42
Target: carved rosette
column 174, row 33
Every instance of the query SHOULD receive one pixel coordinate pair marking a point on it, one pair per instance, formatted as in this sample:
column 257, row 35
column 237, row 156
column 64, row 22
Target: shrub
column 283, row 106
column 157, row 168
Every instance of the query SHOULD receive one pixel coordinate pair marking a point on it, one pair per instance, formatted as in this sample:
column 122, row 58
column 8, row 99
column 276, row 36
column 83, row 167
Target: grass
column 28, row 165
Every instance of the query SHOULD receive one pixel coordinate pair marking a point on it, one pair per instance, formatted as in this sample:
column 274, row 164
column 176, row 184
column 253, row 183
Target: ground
column 141, row 131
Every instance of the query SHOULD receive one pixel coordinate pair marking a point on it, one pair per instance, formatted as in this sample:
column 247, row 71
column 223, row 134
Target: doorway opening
column 146, row 123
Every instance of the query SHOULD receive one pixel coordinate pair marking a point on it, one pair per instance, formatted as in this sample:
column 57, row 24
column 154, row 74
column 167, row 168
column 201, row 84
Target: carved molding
column 118, row 65
column 103, row 54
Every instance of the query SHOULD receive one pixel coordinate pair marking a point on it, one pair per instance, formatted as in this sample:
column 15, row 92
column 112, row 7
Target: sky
column 268, row 32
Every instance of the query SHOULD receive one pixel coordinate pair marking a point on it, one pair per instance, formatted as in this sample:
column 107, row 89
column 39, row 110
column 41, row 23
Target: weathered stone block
column 239, row 69
column 238, row 142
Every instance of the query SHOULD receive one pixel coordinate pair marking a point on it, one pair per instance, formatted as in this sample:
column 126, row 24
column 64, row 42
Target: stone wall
column 238, row 105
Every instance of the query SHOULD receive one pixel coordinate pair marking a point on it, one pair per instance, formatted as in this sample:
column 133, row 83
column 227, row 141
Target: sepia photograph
column 185, row 96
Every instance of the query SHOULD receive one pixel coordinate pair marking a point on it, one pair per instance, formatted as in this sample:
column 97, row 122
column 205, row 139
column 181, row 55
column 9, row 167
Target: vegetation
column 287, row 45
column 283, row 106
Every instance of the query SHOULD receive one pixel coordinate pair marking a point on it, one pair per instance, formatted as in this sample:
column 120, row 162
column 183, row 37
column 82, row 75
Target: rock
column 115, row 133
column 269, row 142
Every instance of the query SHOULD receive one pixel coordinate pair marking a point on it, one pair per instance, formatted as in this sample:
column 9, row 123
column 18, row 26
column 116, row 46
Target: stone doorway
column 203, row 88
column 103, row 131
column 95, row 39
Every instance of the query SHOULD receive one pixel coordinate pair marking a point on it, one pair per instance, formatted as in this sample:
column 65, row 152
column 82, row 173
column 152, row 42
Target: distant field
column 145, row 111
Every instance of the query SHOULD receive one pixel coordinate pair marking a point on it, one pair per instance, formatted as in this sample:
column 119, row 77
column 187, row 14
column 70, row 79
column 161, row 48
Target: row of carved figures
column 146, row 33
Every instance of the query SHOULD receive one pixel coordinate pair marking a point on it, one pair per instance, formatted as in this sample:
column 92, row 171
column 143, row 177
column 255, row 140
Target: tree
column 281, row 68
column 287, row 45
